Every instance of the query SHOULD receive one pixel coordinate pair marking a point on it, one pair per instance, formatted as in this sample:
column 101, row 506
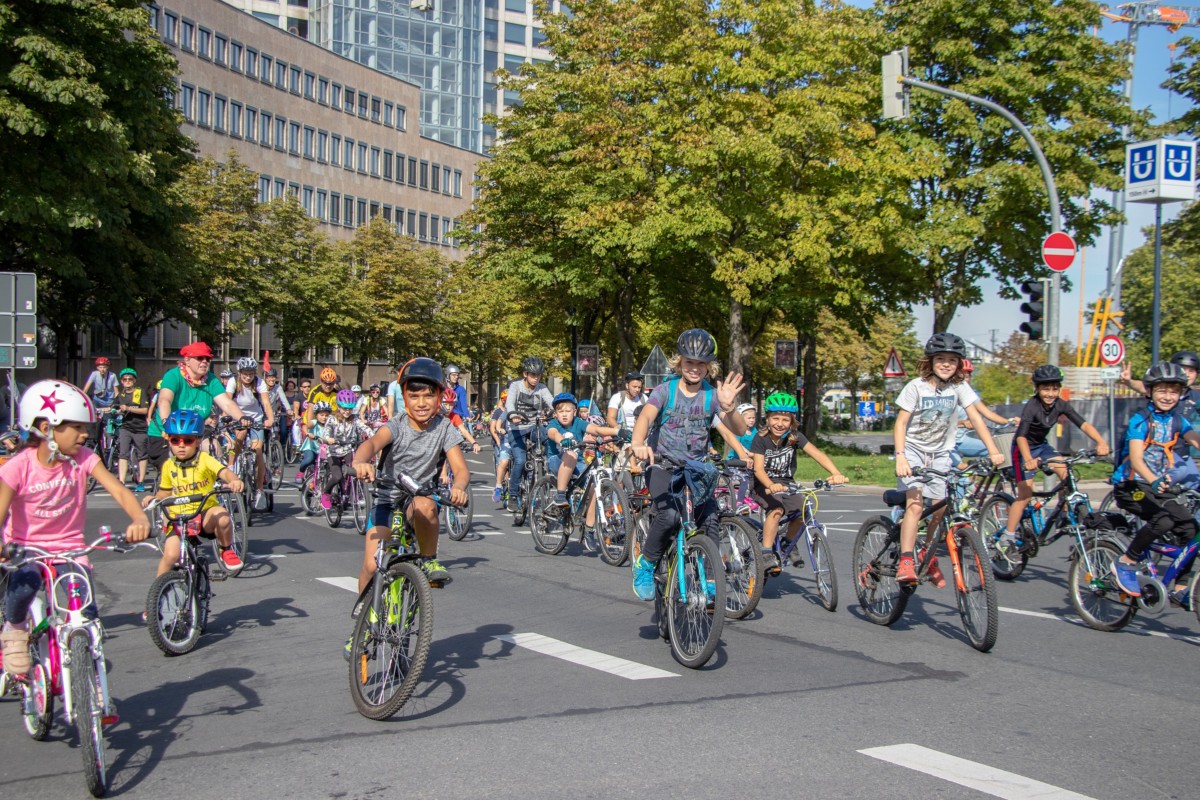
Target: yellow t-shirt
column 316, row 395
column 197, row 478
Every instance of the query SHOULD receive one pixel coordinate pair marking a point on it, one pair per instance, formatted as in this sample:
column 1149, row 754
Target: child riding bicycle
column 342, row 436
column 565, row 432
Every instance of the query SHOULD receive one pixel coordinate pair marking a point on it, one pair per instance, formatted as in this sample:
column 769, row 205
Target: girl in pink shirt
column 43, row 498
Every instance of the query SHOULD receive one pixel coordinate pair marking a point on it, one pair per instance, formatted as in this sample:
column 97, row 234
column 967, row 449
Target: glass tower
column 436, row 44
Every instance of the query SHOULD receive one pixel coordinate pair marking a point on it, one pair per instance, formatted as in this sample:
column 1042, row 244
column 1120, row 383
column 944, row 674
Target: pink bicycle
column 67, row 652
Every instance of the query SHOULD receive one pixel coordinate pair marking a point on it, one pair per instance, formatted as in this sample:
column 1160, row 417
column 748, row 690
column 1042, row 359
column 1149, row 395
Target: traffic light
column 1035, row 308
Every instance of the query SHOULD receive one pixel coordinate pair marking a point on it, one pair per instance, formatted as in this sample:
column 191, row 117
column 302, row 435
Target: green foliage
column 1180, row 322
column 997, row 384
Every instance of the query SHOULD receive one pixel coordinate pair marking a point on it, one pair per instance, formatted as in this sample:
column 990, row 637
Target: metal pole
column 1112, row 413
column 1116, row 235
column 1155, row 330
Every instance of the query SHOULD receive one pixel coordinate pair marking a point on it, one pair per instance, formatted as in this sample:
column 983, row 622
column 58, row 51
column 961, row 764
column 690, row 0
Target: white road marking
column 1077, row 621
column 268, row 555
column 630, row 670
column 973, row 775
column 349, row 584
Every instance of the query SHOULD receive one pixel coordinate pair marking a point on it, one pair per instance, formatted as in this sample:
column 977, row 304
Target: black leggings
column 337, row 470
column 1163, row 516
column 666, row 517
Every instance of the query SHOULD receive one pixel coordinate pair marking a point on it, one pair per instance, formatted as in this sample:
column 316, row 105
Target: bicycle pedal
column 110, row 719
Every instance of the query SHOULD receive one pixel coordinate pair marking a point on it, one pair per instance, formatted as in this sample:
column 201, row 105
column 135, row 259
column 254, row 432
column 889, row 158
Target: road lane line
column 349, row 584
column 1077, row 621
column 972, row 774
column 630, row 670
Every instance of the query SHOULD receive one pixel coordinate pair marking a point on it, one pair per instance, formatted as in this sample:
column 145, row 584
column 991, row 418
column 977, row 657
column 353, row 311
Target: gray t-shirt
column 527, row 402
column 934, row 416
column 415, row 453
column 684, row 433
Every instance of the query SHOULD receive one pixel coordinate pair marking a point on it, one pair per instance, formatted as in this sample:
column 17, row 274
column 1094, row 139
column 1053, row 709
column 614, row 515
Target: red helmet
column 968, row 366
column 449, row 396
column 102, row 361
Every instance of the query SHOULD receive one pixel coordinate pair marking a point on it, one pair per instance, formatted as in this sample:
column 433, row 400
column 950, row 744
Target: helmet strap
column 55, row 454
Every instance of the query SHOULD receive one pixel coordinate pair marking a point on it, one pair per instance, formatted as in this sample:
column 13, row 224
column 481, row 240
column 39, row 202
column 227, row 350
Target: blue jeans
column 555, row 461
column 23, row 586
column 519, row 443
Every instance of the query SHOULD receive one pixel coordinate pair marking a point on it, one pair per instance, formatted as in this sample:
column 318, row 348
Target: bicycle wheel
column 309, row 496
column 457, row 521
column 274, row 464
column 248, row 472
column 239, row 516
column 173, row 614
column 876, row 554
column 1095, row 595
column 88, row 710
column 526, row 490
column 37, row 710
column 1109, row 504
column 723, row 494
column 391, row 642
column 333, row 514
column 550, row 533
column 291, row 451
column 614, row 522
column 976, row 592
column 821, row 558
column 695, row 610
column 741, row 557
column 358, row 500
column 993, row 521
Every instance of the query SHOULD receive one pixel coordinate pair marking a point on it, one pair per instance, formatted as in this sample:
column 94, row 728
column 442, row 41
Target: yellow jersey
column 199, row 477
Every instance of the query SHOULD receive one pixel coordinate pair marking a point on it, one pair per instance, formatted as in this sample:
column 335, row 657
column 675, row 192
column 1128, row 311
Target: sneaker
column 497, row 494
column 1126, row 575
column 590, row 544
column 560, row 500
column 436, row 573
column 771, row 564
column 935, row 574
column 260, row 501
column 1178, row 597
column 906, row 570
column 643, row 578
column 140, row 487
column 797, row 554
column 326, row 501
column 512, row 504
column 1007, row 541
column 15, row 644
column 299, row 477
column 231, row 561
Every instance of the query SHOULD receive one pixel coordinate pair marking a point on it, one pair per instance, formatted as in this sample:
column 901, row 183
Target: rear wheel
column 309, row 497
column 457, row 521
column 695, row 609
column 526, row 490
column 823, row 571
column 977, row 604
column 274, row 464
column 88, row 710
column 1095, row 595
column 390, row 643
column 240, row 517
column 550, row 531
column 876, row 554
column 993, row 521
column 1109, row 504
column 173, row 614
column 614, row 522
column 358, row 501
column 741, row 557
column 333, row 514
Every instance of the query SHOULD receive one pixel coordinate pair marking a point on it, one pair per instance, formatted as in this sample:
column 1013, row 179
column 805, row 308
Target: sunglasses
column 183, row 440
column 200, row 358
column 127, row 378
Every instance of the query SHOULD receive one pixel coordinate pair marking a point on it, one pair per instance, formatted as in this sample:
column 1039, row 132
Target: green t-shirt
column 196, row 398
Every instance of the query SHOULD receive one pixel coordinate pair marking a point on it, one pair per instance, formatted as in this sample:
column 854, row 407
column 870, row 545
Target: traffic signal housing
column 1034, row 308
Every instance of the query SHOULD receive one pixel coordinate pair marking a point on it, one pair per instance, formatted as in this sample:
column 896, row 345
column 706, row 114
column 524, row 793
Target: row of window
column 514, row 33
column 230, row 53
column 349, row 211
column 241, row 121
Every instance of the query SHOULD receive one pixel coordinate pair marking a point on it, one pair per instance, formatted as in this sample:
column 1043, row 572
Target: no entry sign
column 1058, row 251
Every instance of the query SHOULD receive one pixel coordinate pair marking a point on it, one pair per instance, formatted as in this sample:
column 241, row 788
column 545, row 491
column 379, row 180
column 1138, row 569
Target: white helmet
column 356, row 389
column 56, row 402
column 744, row 407
column 246, row 363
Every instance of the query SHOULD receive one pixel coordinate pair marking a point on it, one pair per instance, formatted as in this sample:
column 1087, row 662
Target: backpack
column 709, row 395
column 1147, row 414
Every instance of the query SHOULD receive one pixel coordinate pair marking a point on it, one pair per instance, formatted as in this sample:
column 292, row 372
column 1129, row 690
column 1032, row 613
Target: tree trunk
column 625, row 333
column 739, row 355
column 811, row 416
column 362, row 368
column 64, row 340
column 943, row 315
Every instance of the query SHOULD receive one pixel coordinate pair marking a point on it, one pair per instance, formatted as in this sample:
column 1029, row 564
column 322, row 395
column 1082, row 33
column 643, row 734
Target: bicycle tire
column 358, row 499
column 333, row 514
column 88, row 710
column 173, row 614
column 1109, row 504
column 457, row 521
column 824, row 573
column 876, row 554
column 976, row 594
column 291, row 451
column 723, row 494
column 693, row 617
column 239, row 518
column 308, row 494
column 274, row 464
column 550, row 532
column 37, row 724
column 741, row 557
column 993, row 521
column 1193, row 588
column 248, row 472
column 524, row 492
column 1096, row 597
column 614, row 522
column 392, row 643
column 660, row 600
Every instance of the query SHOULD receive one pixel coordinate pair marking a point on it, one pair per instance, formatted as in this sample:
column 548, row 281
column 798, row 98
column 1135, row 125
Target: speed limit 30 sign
column 1112, row 350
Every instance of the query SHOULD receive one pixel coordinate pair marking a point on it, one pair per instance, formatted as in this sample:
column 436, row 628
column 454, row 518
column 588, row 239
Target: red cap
column 196, row 350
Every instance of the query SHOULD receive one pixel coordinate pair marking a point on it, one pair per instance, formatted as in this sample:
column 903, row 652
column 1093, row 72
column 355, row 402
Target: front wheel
column 976, row 590
column 38, row 702
column 390, row 643
column 993, row 522
column 274, row 464
column 333, row 514
column 173, row 614
column 523, row 498
column 825, row 575
column 358, row 500
column 88, row 710
column 876, row 555
column 550, row 532
column 741, row 557
column 1095, row 595
column 696, row 602
column 614, row 522
column 309, row 496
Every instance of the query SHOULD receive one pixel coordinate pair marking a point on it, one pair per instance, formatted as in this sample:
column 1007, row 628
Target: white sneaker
column 260, row 501
column 1006, row 542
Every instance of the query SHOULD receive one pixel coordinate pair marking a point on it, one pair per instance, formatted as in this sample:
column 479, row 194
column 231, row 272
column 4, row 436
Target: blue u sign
column 1141, row 164
column 1178, row 166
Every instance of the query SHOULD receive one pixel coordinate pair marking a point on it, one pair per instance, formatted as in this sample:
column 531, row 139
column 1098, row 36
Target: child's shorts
column 932, row 488
column 1042, row 451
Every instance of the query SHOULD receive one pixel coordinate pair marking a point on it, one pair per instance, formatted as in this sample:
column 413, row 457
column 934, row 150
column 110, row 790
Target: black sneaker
column 771, row 563
column 512, row 505
column 558, row 501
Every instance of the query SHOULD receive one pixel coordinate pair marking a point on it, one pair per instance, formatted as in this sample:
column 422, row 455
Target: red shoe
column 906, row 570
column 231, row 561
column 935, row 574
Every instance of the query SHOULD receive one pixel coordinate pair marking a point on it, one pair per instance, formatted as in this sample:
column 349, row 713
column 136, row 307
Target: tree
column 1019, row 355
column 984, row 211
column 1180, row 328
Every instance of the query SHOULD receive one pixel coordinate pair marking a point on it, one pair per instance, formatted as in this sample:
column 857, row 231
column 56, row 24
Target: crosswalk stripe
column 972, row 774
column 622, row 668
column 349, row 584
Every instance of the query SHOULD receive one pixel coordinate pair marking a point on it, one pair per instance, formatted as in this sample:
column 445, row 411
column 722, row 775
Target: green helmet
column 128, row 371
column 781, row 401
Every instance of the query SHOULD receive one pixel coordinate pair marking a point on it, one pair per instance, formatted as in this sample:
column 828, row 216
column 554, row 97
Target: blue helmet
column 184, row 422
column 564, row 397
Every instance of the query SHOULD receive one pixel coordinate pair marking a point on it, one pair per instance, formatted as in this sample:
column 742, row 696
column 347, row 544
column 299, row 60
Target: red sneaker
column 935, row 574
column 906, row 570
column 231, row 561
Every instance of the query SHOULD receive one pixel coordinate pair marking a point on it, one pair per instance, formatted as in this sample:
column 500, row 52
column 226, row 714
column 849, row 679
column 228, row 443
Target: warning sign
column 893, row 368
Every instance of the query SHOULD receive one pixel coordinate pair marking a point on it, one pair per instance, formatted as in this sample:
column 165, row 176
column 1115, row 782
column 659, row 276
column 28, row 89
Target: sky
column 1091, row 266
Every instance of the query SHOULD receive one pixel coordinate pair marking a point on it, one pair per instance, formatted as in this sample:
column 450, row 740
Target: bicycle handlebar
column 13, row 555
column 186, row 499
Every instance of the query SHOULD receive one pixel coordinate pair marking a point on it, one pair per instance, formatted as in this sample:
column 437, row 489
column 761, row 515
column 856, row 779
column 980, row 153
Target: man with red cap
column 189, row 386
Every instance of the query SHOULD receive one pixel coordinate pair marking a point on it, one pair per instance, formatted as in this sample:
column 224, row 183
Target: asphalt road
column 798, row 701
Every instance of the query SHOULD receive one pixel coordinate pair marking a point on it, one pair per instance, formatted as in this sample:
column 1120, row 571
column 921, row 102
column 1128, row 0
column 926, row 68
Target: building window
column 310, row 86
column 513, row 63
column 335, row 98
column 387, row 213
column 348, row 101
column 399, row 220
column 170, row 28
column 251, row 62
column 400, row 168
column 264, row 188
column 323, row 91
column 376, row 106
column 425, row 175
column 264, row 129
column 280, row 188
column 348, row 154
column 335, row 208
column 423, row 227
column 514, row 33
column 335, row 150
column 294, row 138
column 235, row 56
column 204, row 108
column 434, row 226
column 235, row 119
column 362, row 104
column 294, row 80
column 515, row 5
column 362, row 157
column 152, row 18
column 281, row 70
column 280, row 132
column 362, row 212
column 411, row 228
column 306, row 200
column 268, row 64
column 387, row 165
column 539, row 37
column 375, row 161
column 187, row 39
column 187, row 97
column 401, row 118
column 219, row 105
column 294, row 190
column 389, row 109
column 412, row 171
column 322, row 146
column 221, row 49
column 310, row 135
column 436, row 183
column 490, row 30
column 251, row 123
column 321, row 209
column 445, row 180
column 204, row 43
column 458, row 183
column 348, row 211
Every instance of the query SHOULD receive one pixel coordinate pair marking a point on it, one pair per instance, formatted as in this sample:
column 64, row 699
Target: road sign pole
column 1156, row 331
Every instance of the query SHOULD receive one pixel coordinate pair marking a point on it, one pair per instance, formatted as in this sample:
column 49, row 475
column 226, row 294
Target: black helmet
column 1186, row 358
column 1165, row 372
column 1047, row 373
column 697, row 344
column 946, row 343
column 634, row 376
column 533, row 365
column 422, row 369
